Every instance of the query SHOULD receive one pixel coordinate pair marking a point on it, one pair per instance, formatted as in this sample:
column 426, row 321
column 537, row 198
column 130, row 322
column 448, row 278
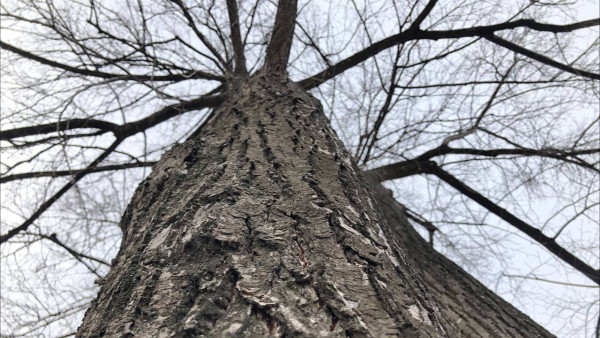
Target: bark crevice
column 260, row 224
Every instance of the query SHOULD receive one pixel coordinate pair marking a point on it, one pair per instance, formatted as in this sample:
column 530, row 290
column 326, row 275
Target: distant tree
column 258, row 220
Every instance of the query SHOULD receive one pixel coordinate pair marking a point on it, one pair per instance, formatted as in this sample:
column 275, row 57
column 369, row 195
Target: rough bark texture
column 258, row 225
column 473, row 309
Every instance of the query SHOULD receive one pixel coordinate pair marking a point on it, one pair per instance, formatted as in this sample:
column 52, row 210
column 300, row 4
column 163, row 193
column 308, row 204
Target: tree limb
column 120, row 131
column 77, row 255
column 125, row 77
column 430, row 167
column 58, row 127
column 278, row 50
column 60, row 173
column 419, row 163
column 419, row 20
column 409, row 35
column 236, row 38
column 550, row 153
column 400, row 169
column 188, row 16
column 534, row 277
column 540, row 58
column 521, row 23
column 76, row 178
column 474, row 83
column 167, row 113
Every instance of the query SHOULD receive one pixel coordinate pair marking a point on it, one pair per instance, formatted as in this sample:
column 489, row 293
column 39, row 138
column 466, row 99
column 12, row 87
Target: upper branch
column 414, row 34
column 58, row 127
column 419, row 164
column 60, row 173
column 556, row 154
column 95, row 73
column 120, row 131
column 540, row 58
column 199, row 34
column 419, row 20
column 532, row 232
column 521, row 23
column 75, row 254
column 236, row 38
column 48, row 203
column 278, row 50
column 168, row 112
column 430, row 167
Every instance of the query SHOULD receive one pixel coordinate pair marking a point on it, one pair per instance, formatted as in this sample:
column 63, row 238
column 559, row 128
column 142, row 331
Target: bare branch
column 431, row 167
column 486, row 108
column 431, row 229
column 278, row 50
column 549, row 152
column 188, row 16
column 168, row 112
column 400, row 169
column 522, row 23
column 385, row 109
column 77, row 255
column 476, row 83
column 60, row 173
column 420, row 163
column 409, row 35
column 419, row 20
column 76, row 178
column 540, row 58
column 236, row 37
column 314, row 45
column 121, row 131
column 58, row 127
column 191, row 75
column 534, row 277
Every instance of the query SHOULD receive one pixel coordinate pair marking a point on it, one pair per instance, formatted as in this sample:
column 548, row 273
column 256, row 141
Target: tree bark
column 472, row 309
column 260, row 224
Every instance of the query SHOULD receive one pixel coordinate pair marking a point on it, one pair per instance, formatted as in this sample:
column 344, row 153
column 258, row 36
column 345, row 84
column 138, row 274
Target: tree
column 261, row 222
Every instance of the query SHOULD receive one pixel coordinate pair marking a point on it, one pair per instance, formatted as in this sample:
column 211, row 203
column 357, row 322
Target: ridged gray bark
column 260, row 224
column 471, row 308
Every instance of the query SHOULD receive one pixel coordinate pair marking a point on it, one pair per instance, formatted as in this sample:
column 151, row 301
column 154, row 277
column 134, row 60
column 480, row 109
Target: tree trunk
column 258, row 225
column 473, row 309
